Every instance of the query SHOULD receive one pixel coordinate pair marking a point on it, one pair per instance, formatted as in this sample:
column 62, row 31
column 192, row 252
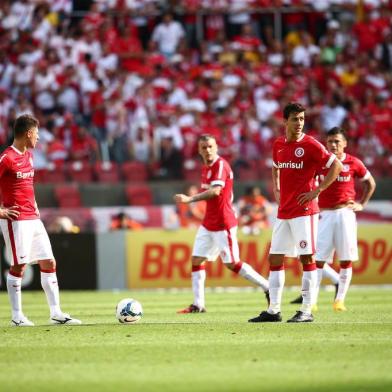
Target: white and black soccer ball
column 129, row 311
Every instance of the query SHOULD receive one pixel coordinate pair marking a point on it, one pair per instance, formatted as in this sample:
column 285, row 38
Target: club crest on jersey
column 346, row 168
column 303, row 244
column 209, row 174
column 299, row 152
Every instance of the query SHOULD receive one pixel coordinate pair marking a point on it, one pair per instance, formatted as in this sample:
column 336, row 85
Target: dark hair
column 23, row 124
column 205, row 137
column 337, row 131
column 292, row 107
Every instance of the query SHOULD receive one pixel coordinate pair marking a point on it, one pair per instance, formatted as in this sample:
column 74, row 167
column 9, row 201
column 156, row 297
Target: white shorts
column 296, row 236
column 337, row 232
column 211, row 244
column 26, row 241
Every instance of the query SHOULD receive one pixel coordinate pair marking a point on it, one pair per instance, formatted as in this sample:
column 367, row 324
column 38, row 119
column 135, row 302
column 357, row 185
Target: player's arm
column 210, row 193
column 275, row 183
column 368, row 188
column 334, row 170
column 9, row 213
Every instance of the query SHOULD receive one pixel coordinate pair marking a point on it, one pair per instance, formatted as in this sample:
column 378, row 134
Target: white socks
column 14, row 288
column 319, row 278
column 198, row 280
column 276, row 284
column 309, row 279
column 345, row 276
column 51, row 288
column 330, row 273
column 250, row 274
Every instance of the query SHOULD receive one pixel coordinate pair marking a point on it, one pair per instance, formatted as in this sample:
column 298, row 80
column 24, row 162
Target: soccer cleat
column 297, row 300
column 301, row 317
column 64, row 319
column 22, row 322
column 267, row 297
column 338, row 306
column 265, row 317
column 192, row 309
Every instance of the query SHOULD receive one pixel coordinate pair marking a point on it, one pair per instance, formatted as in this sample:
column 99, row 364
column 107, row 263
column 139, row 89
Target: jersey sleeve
column 219, row 174
column 360, row 170
column 4, row 164
column 322, row 156
column 274, row 155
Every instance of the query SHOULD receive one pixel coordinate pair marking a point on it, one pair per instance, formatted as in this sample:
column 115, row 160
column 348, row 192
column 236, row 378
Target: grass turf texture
column 215, row 351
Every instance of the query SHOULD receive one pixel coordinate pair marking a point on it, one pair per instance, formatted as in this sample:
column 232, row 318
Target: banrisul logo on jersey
column 290, row 165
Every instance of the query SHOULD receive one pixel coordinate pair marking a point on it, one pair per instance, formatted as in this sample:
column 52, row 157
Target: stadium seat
column 67, row 196
column 52, row 174
column 139, row 195
column 134, row 171
column 107, row 172
column 80, row 172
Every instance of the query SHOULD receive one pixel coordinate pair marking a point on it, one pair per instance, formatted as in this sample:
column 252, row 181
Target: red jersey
column 220, row 214
column 16, row 182
column 298, row 162
column 342, row 189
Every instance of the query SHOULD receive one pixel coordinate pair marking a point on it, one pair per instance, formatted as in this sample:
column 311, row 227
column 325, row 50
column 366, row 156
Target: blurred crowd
column 141, row 79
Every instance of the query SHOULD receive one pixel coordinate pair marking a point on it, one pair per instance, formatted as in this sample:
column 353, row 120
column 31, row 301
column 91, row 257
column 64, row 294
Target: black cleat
column 301, row 317
column 265, row 317
column 267, row 297
column 298, row 300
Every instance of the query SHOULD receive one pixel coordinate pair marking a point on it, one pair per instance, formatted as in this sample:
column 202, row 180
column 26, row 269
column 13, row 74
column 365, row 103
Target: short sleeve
column 4, row 164
column 360, row 170
column 322, row 156
column 219, row 174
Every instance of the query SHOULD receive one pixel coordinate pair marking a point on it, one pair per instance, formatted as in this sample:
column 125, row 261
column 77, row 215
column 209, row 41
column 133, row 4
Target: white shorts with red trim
column 211, row 244
column 337, row 232
column 26, row 241
column 296, row 236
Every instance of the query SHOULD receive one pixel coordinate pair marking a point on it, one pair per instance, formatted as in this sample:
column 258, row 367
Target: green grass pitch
column 215, row 351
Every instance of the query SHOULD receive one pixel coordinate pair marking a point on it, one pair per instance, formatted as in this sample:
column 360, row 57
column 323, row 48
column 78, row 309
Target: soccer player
column 338, row 226
column 26, row 239
column 217, row 235
column 296, row 159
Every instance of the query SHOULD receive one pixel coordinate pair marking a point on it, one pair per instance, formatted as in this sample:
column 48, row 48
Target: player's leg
column 282, row 244
column 50, row 286
column 304, row 231
column 203, row 250
column 325, row 248
column 347, row 252
column 228, row 245
column 345, row 275
column 41, row 251
column 14, row 289
column 18, row 238
column 332, row 275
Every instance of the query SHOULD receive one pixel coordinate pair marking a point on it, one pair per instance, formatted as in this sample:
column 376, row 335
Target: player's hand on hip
column 304, row 198
column 181, row 198
column 10, row 212
column 355, row 206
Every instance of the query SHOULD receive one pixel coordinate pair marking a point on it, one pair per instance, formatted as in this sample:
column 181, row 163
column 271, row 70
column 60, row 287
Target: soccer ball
column 129, row 311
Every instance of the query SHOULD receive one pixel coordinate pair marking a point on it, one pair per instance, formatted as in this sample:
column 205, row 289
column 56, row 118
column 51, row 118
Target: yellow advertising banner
column 160, row 258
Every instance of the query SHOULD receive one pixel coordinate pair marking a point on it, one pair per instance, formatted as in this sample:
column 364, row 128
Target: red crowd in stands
column 125, row 90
